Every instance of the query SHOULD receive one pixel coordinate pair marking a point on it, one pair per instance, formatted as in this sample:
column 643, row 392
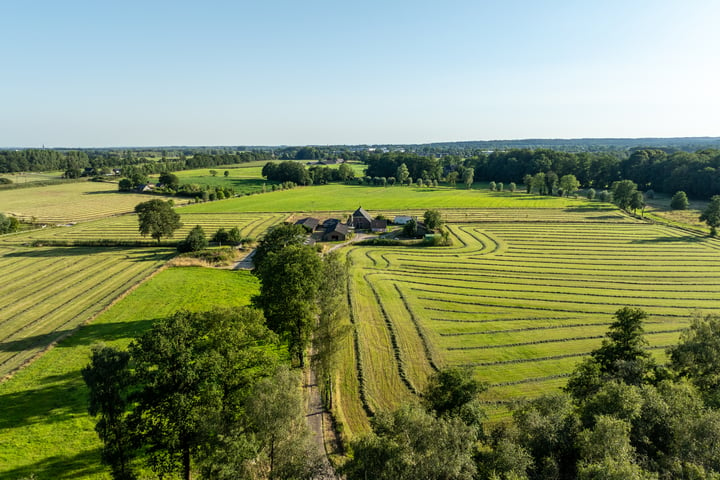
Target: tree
column 275, row 412
column 499, row 187
column 213, row 172
column 169, row 180
column 234, row 236
column 697, row 357
column 451, row 389
column 402, row 174
column 468, row 177
column 227, row 173
column 432, row 219
column 108, row 379
column 679, row 201
column 221, row 236
column 277, row 238
column 569, row 184
column 452, row 178
column 410, row 229
column 157, row 219
column 711, row 215
column 411, row 444
column 191, row 376
column 512, row 187
column 538, row 184
column 125, row 185
column 527, row 181
column 637, row 200
column 492, row 186
column 8, row 224
column 623, row 191
column 290, row 279
column 590, row 193
column 194, row 242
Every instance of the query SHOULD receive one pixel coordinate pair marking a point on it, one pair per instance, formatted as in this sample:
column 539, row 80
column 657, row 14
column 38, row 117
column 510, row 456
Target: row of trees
column 298, row 173
column 621, row 416
column 201, row 392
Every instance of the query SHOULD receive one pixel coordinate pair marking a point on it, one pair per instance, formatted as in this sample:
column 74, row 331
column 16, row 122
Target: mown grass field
column 125, row 228
column 47, row 293
column 70, row 202
column 44, row 428
column 520, row 301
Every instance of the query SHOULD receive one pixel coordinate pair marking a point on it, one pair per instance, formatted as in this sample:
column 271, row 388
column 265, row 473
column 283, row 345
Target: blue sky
column 272, row 72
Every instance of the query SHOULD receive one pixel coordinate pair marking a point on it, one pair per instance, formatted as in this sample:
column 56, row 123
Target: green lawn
column 44, row 428
column 339, row 197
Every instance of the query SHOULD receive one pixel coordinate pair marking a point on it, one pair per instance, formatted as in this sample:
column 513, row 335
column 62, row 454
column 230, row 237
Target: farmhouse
column 308, row 223
column 361, row 219
column 402, row 219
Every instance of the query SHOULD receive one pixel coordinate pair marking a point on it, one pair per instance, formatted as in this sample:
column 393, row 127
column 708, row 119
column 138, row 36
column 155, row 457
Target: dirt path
column 316, row 420
column 246, row 263
column 358, row 237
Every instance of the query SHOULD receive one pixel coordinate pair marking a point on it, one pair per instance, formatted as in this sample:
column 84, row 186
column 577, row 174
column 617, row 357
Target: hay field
column 521, row 302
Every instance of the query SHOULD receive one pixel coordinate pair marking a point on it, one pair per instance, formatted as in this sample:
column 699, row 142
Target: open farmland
column 70, row 202
column 45, row 430
column 48, row 292
column 125, row 228
column 338, row 197
column 521, row 301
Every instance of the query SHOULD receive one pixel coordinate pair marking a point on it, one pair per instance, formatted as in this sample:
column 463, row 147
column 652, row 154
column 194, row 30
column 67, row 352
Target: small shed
column 402, row 219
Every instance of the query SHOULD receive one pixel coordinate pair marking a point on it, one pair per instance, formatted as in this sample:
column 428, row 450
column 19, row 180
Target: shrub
column 512, row 187
column 499, row 186
column 591, row 193
column 679, row 201
column 492, row 186
column 195, row 241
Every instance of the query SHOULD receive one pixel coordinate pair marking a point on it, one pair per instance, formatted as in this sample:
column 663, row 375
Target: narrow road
column 315, row 418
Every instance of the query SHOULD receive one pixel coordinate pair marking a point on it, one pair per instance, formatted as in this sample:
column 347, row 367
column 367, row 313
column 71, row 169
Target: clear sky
column 271, row 72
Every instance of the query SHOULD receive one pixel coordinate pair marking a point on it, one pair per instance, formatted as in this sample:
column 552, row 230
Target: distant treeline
column 75, row 162
column 697, row 173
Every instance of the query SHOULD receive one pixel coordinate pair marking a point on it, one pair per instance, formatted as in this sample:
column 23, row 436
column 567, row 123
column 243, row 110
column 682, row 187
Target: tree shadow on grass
column 43, row 252
column 85, row 335
column 84, row 464
column 683, row 239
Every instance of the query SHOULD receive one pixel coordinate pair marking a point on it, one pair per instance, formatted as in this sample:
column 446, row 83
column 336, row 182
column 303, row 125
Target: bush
column 195, row 241
column 591, row 193
column 650, row 194
column 512, row 187
column 679, row 201
column 499, row 186
column 492, row 186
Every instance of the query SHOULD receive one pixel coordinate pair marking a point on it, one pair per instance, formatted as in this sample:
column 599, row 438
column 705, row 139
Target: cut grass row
column 523, row 302
column 45, row 430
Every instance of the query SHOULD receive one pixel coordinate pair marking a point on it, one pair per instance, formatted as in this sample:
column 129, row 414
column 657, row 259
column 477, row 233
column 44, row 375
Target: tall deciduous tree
column 569, row 184
column 108, row 379
column 623, row 192
column 402, row 173
column 290, row 278
column 697, row 356
column 277, row 238
column 432, row 219
column 157, row 219
column 711, row 215
column 468, row 177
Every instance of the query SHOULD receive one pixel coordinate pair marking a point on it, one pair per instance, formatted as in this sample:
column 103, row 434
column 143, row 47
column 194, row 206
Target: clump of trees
column 679, row 201
column 194, row 241
column 287, row 171
column 200, row 392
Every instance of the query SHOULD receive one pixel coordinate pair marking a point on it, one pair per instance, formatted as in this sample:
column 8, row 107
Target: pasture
column 70, row 202
column 340, row 197
column 45, row 430
column 47, row 293
column 521, row 302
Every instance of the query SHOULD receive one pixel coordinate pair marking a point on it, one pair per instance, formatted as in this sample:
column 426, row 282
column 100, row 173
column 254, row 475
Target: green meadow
column 45, row 430
column 338, row 197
